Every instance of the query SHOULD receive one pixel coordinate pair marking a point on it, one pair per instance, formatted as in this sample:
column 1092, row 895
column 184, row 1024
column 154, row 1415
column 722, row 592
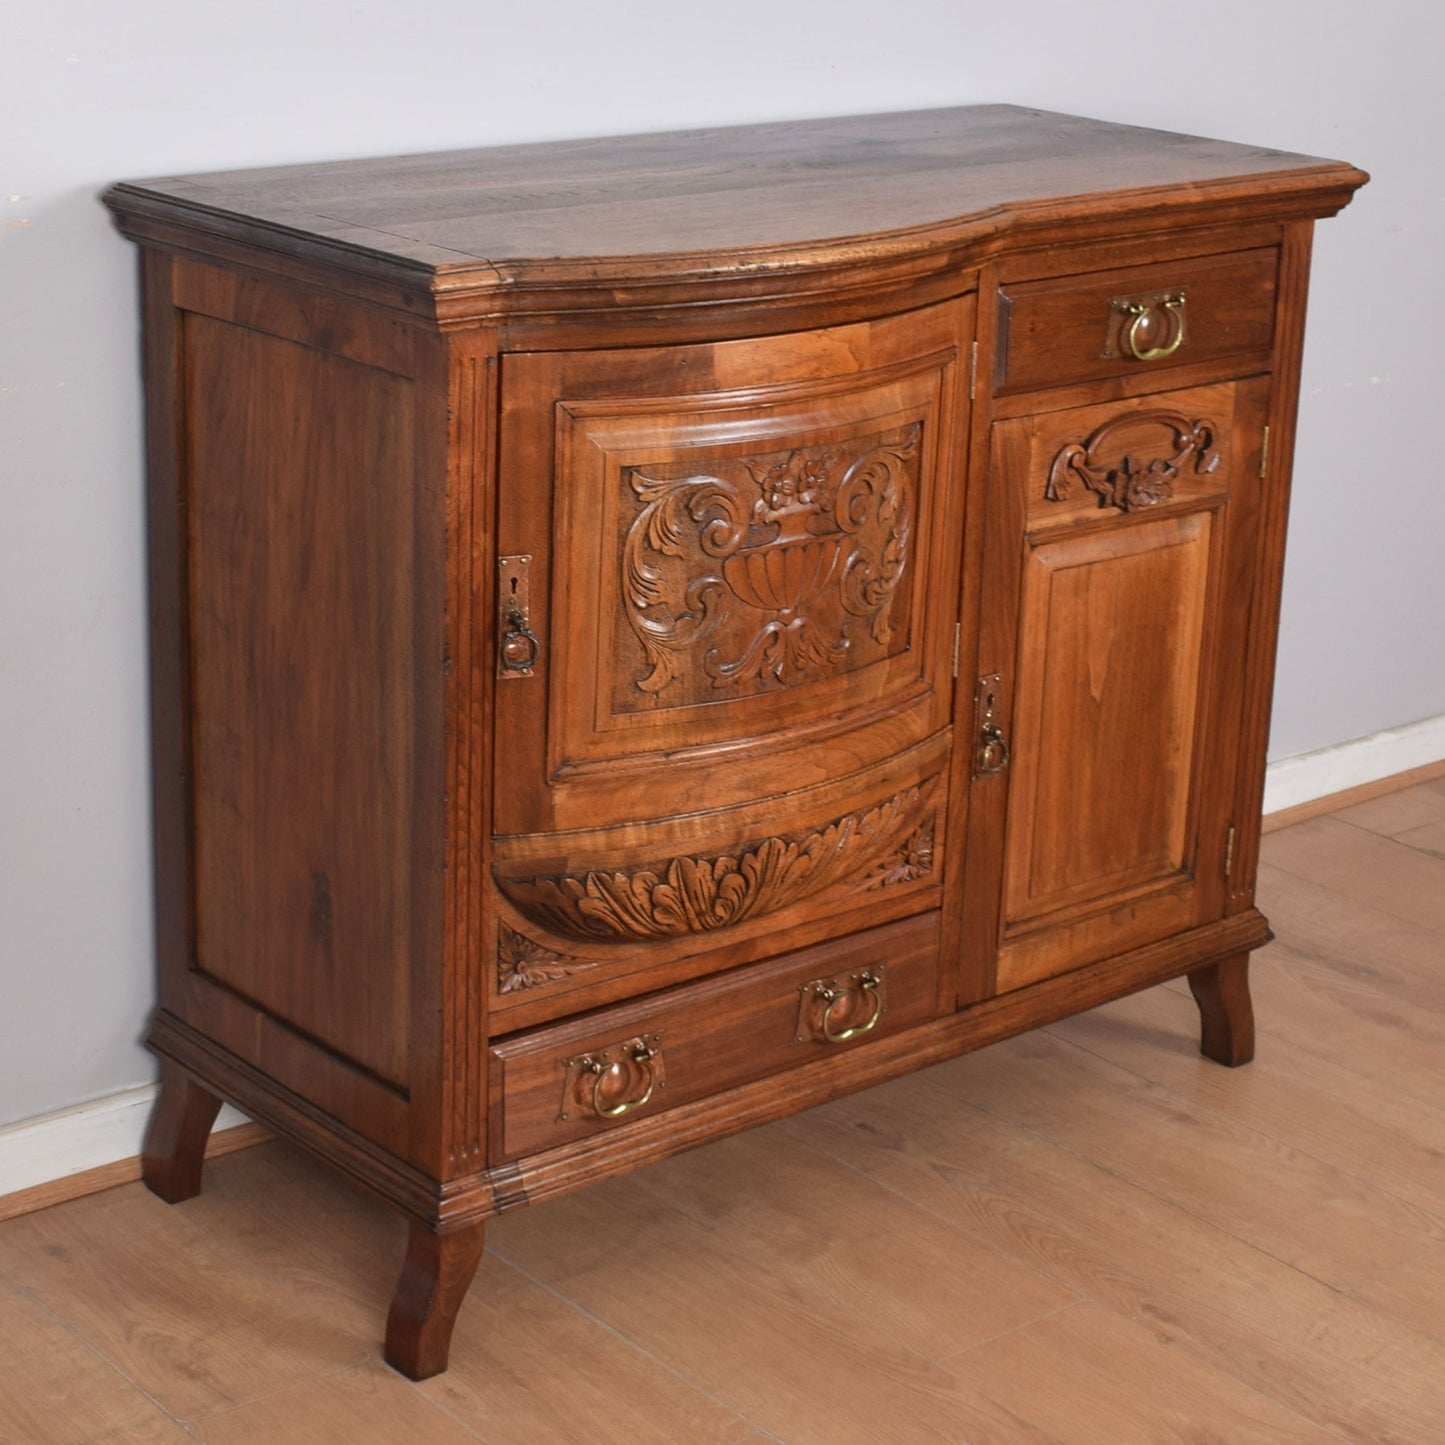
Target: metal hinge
column 972, row 379
column 957, row 635
column 1229, row 852
column 1264, row 454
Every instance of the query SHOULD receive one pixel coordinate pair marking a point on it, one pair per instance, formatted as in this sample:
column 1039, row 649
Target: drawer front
column 566, row 1082
column 1129, row 322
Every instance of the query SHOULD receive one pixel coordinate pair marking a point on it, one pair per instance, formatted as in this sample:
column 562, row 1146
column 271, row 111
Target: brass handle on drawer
column 642, row 1054
column 1146, row 314
column 867, row 983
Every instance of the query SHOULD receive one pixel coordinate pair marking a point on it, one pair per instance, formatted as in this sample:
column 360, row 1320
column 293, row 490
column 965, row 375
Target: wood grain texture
column 821, row 1305
column 1085, row 1351
column 300, row 527
column 359, row 1405
column 779, row 195
column 56, row 1390
column 192, row 1324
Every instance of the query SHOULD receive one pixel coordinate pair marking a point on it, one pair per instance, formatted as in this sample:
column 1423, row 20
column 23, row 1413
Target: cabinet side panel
column 298, row 470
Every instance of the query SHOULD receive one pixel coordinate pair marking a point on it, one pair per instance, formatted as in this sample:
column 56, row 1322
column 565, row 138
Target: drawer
column 567, row 1081
column 1128, row 322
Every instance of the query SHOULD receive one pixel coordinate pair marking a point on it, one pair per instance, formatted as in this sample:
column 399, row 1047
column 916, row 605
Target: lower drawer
column 567, row 1081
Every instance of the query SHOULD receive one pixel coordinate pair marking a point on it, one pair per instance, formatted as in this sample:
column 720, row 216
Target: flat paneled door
column 1120, row 542
column 741, row 565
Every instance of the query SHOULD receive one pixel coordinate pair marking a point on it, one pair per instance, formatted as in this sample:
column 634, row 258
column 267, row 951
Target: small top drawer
column 566, row 1081
column 1128, row 322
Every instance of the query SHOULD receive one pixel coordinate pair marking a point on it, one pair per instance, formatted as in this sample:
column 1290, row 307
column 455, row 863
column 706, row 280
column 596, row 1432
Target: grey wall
column 91, row 91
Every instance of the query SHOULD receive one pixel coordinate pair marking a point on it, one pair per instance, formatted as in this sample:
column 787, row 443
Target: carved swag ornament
column 1133, row 481
column 888, row 844
column 774, row 568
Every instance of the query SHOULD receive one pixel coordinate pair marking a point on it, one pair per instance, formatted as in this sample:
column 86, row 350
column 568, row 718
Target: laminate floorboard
column 1086, row 1236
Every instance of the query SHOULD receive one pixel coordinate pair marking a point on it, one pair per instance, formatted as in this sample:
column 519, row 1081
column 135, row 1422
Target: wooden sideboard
column 650, row 634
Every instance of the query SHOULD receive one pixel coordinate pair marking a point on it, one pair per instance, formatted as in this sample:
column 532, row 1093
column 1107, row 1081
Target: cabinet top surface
column 790, row 192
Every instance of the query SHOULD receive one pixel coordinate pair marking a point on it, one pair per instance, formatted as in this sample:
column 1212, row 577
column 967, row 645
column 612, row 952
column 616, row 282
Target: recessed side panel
column 300, row 539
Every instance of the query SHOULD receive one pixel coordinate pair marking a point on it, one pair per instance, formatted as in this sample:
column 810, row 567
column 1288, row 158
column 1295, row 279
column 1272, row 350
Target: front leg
column 175, row 1144
column 433, row 1283
column 1225, row 1012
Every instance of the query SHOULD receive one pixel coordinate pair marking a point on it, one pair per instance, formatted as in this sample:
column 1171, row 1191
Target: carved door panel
column 1118, row 572
column 742, row 581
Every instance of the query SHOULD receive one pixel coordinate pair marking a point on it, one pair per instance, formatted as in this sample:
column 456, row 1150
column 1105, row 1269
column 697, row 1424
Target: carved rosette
column 763, row 571
column 890, row 843
column 522, row 962
column 914, row 860
column 1129, row 480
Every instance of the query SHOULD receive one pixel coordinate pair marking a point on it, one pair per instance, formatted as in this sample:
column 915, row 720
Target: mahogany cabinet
column 650, row 634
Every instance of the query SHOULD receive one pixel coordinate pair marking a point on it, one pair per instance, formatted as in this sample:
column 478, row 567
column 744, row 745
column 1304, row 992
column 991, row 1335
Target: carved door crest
column 767, row 571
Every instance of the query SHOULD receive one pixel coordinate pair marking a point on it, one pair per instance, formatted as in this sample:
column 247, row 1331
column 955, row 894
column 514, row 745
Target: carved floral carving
column 766, row 570
column 524, row 963
column 889, row 843
column 912, row 861
column 1132, row 481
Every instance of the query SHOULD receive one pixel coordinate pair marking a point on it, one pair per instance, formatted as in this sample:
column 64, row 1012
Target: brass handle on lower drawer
column 633, row 1068
column 831, row 993
column 643, row 1055
column 867, row 984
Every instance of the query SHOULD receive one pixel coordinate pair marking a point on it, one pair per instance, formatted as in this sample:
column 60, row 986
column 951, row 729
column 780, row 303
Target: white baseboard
column 70, row 1141
column 54, row 1146
column 1308, row 776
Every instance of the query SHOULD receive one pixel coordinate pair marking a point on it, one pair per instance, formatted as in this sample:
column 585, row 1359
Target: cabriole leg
column 433, row 1283
column 1225, row 1012
column 175, row 1144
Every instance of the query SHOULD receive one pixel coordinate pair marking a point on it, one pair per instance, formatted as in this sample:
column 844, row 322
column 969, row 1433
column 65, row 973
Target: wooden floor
column 1087, row 1236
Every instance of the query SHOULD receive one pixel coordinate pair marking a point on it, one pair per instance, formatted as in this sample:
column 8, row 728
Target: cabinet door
column 742, row 578
column 1118, row 576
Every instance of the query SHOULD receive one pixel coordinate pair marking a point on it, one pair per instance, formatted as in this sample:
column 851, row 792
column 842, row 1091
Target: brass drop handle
column 642, row 1055
column 993, row 753
column 868, row 984
column 519, row 648
column 1168, row 313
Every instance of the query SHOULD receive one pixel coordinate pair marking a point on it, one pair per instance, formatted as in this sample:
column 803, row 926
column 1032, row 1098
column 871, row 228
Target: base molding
column 1336, row 777
column 90, row 1147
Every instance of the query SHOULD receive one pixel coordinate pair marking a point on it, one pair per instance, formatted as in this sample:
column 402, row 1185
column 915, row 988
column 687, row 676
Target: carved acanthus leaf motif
column 771, row 561
column 1129, row 482
column 690, row 895
column 524, row 963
